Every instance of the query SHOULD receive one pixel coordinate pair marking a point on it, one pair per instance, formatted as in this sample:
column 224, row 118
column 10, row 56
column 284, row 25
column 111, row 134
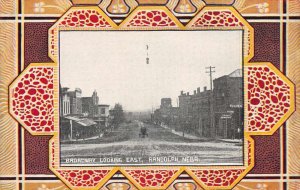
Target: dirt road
column 160, row 147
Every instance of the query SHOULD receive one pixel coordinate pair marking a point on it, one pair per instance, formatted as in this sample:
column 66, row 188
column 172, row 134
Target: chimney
column 194, row 92
column 205, row 88
column 198, row 90
column 188, row 93
column 181, row 92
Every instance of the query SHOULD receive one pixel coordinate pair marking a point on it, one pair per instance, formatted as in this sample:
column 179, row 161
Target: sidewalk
column 179, row 133
column 78, row 140
column 231, row 140
column 188, row 136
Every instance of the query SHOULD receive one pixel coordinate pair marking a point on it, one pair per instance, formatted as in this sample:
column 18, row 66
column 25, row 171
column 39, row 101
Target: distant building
column 165, row 108
column 90, row 105
column 65, row 104
column 165, row 103
column 184, row 104
column 102, row 114
column 174, row 117
column 129, row 116
column 75, row 101
column 166, row 114
column 103, row 110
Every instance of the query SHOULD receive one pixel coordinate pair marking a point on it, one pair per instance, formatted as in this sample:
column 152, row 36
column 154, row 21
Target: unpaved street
column 160, row 147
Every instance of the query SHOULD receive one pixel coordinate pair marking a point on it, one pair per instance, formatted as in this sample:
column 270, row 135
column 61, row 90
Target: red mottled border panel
column 32, row 99
column 151, row 178
column 268, row 98
column 83, row 178
column 217, row 18
column 151, row 18
column 84, row 18
column 217, row 178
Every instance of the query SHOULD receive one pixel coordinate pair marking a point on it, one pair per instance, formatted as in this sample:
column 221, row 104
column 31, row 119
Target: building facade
column 103, row 114
column 65, row 104
column 90, row 105
column 200, row 106
column 216, row 113
column 75, row 101
column 81, row 116
column 166, row 114
column 228, row 96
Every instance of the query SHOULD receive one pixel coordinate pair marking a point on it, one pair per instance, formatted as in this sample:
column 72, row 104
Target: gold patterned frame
column 247, row 56
column 54, row 158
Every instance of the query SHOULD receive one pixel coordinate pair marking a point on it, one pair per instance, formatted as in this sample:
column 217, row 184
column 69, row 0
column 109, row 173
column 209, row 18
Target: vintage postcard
column 136, row 94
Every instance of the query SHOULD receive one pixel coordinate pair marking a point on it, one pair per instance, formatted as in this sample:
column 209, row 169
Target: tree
column 117, row 115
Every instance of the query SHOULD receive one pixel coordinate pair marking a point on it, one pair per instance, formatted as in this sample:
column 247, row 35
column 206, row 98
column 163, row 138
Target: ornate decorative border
column 35, row 91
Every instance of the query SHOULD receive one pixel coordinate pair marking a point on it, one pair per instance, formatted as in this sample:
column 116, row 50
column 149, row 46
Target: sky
column 114, row 63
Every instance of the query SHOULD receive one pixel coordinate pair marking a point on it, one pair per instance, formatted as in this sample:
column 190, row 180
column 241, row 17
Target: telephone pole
column 211, row 70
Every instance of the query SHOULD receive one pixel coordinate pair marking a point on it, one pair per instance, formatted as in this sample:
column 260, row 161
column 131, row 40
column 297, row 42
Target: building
column 74, row 128
column 166, row 114
column 200, row 113
column 102, row 115
column 90, row 105
column 194, row 112
column 75, row 101
column 216, row 113
column 228, row 104
column 93, row 110
column 81, row 116
column 165, row 103
column 165, row 109
column 174, row 117
column 65, row 104
column 184, row 104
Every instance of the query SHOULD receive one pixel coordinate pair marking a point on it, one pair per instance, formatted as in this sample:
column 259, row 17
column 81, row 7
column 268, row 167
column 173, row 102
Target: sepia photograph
column 151, row 98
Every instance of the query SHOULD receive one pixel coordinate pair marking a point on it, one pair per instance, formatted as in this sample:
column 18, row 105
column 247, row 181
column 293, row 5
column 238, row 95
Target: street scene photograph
column 151, row 98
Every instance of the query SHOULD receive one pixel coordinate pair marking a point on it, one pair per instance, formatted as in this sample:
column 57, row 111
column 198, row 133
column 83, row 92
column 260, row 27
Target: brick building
column 184, row 104
column 200, row 105
column 88, row 116
column 216, row 113
column 75, row 101
column 64, row 102
column 228, row 104
column 90, row 105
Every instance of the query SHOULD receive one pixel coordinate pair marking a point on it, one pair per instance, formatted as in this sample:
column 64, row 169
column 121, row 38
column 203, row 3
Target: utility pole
column 147, row 58
column 211, row 70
